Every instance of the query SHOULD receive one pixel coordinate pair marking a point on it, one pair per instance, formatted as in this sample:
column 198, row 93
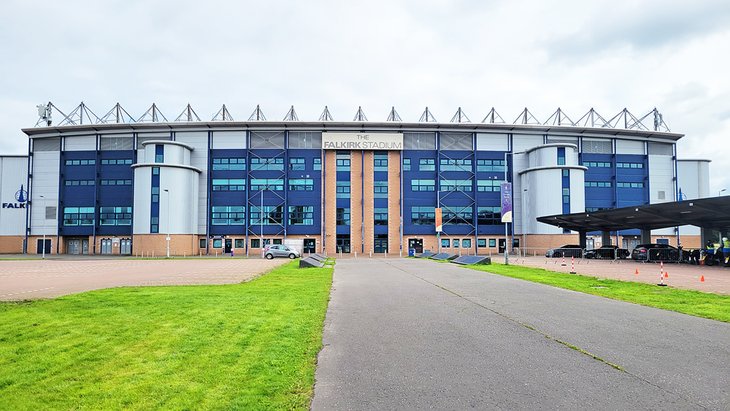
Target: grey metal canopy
column 708, row 213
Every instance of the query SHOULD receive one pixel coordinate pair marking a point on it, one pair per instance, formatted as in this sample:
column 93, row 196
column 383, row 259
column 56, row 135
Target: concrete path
column 414, row 334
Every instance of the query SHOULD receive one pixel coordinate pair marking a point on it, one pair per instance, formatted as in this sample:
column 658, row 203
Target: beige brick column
column 355, row 202
column 329, row 196
column 394, row 201
column 368, row 182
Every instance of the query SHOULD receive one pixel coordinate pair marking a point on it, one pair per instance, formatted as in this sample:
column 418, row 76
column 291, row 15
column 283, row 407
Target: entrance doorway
column 125, row 246
column 502, row 244
column 77, row 246
column 343, row 243
column 309, row 246
column 228, row 246
column 40, row 245
column 106, row 245
column 416, row 244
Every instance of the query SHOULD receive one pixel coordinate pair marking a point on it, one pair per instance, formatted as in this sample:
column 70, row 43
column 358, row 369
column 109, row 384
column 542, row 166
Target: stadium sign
column 21, row 197
column 362, row 141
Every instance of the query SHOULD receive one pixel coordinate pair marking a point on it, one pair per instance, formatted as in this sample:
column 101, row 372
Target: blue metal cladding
column 227, row 198
column 114, row 166
column 489, row 198
column 456, row 200
column 418, row 198
column 632, row 196
column 270, row 197
column 311, row 198
column 380, row 176
column 77, row 166
column 599, row 197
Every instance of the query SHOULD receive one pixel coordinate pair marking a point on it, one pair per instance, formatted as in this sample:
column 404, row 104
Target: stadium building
column 148, row 186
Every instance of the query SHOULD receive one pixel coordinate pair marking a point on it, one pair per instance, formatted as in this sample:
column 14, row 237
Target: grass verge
column 699, row 304
column 241, row 346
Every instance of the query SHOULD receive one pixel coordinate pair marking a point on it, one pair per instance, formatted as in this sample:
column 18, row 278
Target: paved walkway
column 414, row 334
column 30, row 279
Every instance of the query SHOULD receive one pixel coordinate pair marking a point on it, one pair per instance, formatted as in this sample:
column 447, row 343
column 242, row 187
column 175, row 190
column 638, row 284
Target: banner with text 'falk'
column 506, row 189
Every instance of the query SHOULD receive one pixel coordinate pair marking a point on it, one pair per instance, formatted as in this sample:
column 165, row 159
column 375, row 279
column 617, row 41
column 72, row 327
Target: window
column 481, row 242
column 423, row 185
column 229, row 184
column 343, row 216
column 229, row 164
column 301, row 215
column 455, row 243
column 492, row 242
column 80, row 162
column 228, row 215
column 239, row 243
column 159, row 153
column 445, row 243
column 255, row 243
column 426, row 164
column 488, row 185
column 115, row 216
column 317, row 165
column 343, row 161
column 380, row 162
column 217, row 243
column 115, row 182
column 343, row 189
column 297, row 164
column 599, row 184
column 597, row 164
column 267, row 164
column 423, row 215
column 380, row 216
column 155, row 194
column 78, row 216
column 448, row 164
column 490, row 165
column 406, row 164
column 466, row 243
column 301, row 184
column 561, row 156
column 630, row 185
column 274, row 184
column 455, row 185
column 269, row 215
column 380, row 189
column 154, row 225
column 566, row 196
column 457, row 215
column 566, row 173
column 489, row 216
column 116, row 162
column 82, row 182
column 202, row 243
column 630, row 165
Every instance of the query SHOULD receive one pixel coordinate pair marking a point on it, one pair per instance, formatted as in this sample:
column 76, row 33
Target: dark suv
column 655, row 252
column 568, row 250
column 608, row 252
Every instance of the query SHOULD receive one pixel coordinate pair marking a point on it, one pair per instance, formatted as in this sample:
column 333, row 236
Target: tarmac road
column 415, row 334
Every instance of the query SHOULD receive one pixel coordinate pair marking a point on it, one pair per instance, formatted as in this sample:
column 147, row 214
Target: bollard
column 572, row 265
column 661, row 275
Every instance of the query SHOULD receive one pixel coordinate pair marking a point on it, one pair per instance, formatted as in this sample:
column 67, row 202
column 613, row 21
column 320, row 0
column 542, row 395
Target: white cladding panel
column 199, row 159
column 541, row 196
column 13, row 175
column 577, row 191
column 142, row 199
column 492, row 142
column 522, row 142
column 229, row 140
column 693, row 178
column 630, row 147
column 44, row 183
column 181, row 201
column 661, row 179
column 80, row 143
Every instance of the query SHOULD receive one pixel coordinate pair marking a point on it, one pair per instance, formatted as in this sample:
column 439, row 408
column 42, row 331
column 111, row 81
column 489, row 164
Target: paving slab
column 409, row 333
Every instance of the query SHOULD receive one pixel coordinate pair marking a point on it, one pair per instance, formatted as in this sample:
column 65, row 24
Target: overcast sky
column 673, row 55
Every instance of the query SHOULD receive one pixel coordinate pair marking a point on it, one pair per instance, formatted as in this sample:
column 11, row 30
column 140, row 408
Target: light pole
column 719, row 193
column 44, row 232
column 167, row 213
column 506, row 224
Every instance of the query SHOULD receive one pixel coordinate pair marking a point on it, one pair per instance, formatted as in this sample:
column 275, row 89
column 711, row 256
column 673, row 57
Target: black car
column 568, row 250
column 609, row 252
column 655, row 252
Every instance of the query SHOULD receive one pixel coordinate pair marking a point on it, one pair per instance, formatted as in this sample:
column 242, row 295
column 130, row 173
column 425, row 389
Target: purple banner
column 506, row 189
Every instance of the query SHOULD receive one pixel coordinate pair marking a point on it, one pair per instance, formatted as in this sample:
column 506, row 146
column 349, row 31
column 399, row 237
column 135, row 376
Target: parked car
column 568, row 250
column 280, row 250
column 607, row 252
column 655, row 252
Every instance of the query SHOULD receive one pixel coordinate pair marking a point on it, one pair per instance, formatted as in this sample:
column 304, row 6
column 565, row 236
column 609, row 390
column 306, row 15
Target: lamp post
column 506, row 224
column 43, row 253
column 719, row 193
column 167, row 217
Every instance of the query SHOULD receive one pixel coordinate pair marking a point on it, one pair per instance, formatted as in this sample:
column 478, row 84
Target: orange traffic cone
column 666, row 274
column 702, row 278
column 636, row 272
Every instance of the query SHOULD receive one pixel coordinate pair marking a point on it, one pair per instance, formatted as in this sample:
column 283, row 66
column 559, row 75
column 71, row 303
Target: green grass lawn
column 707, row 305
column 242, row 346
